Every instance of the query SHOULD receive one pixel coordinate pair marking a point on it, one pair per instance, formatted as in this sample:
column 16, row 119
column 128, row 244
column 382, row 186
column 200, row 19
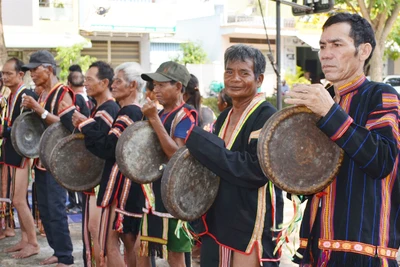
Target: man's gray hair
column 132, row 72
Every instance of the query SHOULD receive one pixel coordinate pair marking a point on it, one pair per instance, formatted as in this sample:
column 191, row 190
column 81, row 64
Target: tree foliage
column 382, row 15
column 193, row 53
column 67, row 56
column 393, row 44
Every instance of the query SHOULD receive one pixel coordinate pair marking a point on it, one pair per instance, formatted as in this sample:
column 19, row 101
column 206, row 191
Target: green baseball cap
column 169, row 71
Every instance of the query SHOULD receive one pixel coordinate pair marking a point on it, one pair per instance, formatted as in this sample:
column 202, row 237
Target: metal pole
column 278, row 56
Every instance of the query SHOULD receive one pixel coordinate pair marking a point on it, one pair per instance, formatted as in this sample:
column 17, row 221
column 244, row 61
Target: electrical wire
column 269, row 55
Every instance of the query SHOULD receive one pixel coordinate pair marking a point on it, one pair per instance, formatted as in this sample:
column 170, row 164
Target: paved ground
column 75, row 228
column 7, row 261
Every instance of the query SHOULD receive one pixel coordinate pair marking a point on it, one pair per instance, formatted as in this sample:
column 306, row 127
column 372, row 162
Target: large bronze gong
column 139, row 154
column 51, row 136
column 295, row 154
column 25, row 134
column 73, row 166
column 188, row 189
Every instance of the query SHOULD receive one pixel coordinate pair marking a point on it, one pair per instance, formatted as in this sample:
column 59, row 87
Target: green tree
column 193, row 53
column 382, row 15
column 393, row 44
column 67, row 56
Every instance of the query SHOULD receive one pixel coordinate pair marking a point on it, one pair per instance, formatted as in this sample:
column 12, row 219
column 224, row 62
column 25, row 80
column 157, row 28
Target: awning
column 310, row 39
column 43, row 40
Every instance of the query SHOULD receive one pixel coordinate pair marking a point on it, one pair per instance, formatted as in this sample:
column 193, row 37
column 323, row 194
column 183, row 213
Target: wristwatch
column 44, row 115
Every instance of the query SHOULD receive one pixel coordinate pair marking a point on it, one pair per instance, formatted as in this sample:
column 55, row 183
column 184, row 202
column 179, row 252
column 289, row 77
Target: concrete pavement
column 75, row 228
column 7, row 261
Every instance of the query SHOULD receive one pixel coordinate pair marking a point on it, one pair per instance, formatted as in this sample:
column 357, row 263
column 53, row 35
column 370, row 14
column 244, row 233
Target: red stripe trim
column 191, row 118
column 189, row 132
column 110, row 185
column 66, row 110
column 352, row 85
column 190, row 115
column 60, row 99
column 130, row 214
column 115, row 131
column 58, row 85
column 86, row 234
column 22, row 166
column 384, row 111
column 389, row 100
column 105, row 117
column 169, row 113
column 84, row 123
column 125, row 119
column 380, row 125
column 241, row 252
column 358, row 248
column 119, row 125
column 339, row 133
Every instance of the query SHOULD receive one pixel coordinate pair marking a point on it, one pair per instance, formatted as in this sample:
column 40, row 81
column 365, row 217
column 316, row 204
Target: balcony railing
column 270, row 22
column 136, row 1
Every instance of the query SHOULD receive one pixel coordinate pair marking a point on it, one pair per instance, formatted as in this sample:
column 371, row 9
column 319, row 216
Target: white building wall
column 40, row 27
column 161, row 52
column 144, row 46
column 397, row 67
column 214, row 33
column 205, row 31
column 289, row 55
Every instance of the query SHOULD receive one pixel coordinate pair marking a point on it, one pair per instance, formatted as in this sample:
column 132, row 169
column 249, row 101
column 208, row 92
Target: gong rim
column 188, row 196
column 35, row 133
column 84, row 173
column 50, row 137
column 139, row 154
column 307, row 180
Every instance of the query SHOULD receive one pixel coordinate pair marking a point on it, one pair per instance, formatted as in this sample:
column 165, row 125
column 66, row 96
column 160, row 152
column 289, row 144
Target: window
column 56, row 10
column 17, row 54
column 44, row 3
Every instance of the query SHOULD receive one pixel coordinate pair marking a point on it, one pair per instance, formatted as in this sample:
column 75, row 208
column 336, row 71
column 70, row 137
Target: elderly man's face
column 239, row 79
column 340, row 60
column 167, row 93
column 40, row 75
column 121, row 89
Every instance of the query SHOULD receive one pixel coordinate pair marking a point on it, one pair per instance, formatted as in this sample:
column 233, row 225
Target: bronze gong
column 139, row 154
column 51, row 136
column 295, row 154
column 73, row 166
column 188, row 189
column 25, row 134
